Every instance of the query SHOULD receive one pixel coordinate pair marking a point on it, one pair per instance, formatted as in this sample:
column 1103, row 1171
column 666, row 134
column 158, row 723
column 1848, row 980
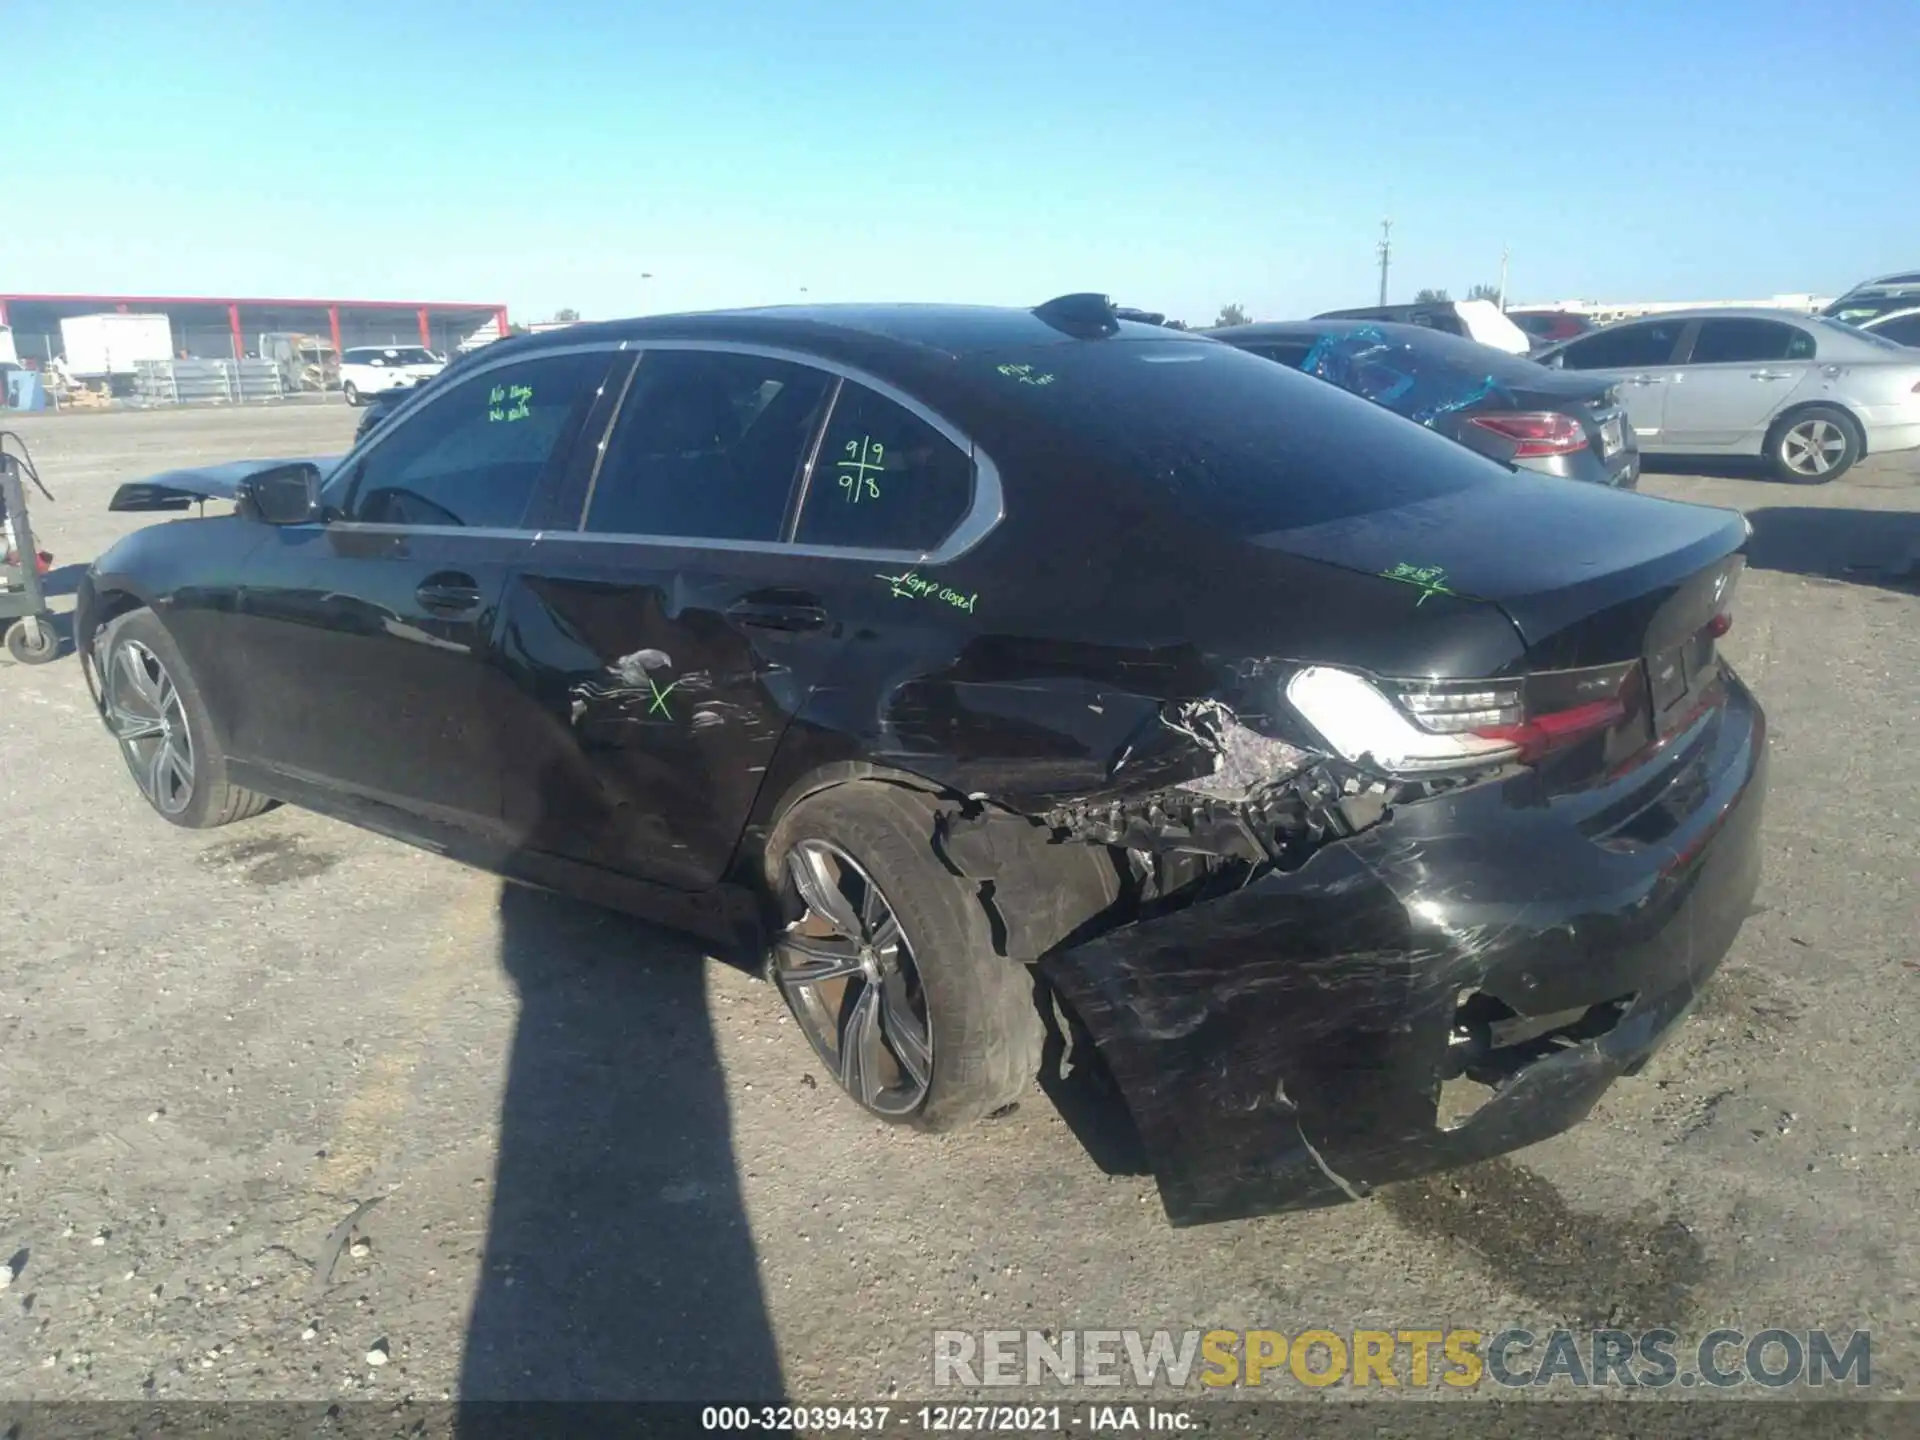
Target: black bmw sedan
column 1368, row 806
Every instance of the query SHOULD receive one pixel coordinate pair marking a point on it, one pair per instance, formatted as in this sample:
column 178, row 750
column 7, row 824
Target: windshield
column 1248, row 445
column 1855, row 312
column 393, row 355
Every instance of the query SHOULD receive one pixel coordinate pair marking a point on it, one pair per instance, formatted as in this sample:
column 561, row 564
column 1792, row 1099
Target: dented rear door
column 653, row 682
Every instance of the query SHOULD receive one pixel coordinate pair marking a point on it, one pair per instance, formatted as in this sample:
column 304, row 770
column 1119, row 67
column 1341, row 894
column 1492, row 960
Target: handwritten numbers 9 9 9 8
column 862, row 461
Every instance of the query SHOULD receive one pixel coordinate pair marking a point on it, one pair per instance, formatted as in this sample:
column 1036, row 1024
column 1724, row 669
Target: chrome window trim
column 983, row 516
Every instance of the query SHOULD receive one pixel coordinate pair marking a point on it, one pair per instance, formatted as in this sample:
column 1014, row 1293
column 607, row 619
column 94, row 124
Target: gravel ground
column 293, row 1111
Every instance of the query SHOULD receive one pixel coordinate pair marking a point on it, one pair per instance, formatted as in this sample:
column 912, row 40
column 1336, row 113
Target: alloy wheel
column 145, row 713
column 847, row 970
column 1813, row 447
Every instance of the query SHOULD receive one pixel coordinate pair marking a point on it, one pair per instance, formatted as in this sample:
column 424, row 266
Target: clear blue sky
column 1176, row 155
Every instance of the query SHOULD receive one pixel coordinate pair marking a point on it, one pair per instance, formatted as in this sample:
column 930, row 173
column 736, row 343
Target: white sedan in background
column 370, row 369
column 1809, row 394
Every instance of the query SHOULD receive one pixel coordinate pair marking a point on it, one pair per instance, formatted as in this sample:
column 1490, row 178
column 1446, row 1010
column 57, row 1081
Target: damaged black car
column 1365, row 807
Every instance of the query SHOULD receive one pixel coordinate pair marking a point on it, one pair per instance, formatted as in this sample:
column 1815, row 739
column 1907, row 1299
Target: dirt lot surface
column 278, row 1099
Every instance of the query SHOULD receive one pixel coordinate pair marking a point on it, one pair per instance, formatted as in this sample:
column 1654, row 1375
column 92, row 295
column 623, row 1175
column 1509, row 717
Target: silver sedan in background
column 1808, row 393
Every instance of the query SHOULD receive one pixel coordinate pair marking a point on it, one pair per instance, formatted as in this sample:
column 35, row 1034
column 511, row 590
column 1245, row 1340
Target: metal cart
column 31, row 638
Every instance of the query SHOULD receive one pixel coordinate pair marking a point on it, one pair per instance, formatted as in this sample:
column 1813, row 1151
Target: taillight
column 1363, row 725
column 1536, row 432
column 1418, row 727
column 1559, row 728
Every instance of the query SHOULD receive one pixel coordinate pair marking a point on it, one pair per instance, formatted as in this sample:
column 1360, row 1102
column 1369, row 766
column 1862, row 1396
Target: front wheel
column 162, row 726
column 1814, row 446
column 352, row 392
column 886, row 960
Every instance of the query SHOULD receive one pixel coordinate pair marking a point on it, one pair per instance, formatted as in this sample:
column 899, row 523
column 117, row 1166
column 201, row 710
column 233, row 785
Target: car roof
column 950, row 330
column 1722, row 312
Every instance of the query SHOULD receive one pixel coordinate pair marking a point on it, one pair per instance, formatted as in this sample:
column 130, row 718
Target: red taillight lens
column 1542, row 733
column 1719, row 624
column 1536, row 432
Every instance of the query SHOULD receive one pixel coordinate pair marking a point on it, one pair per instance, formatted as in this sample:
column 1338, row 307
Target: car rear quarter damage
column 1307, row 980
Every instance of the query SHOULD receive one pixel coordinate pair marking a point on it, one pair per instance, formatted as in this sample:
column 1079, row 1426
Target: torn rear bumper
column 1284, row 1047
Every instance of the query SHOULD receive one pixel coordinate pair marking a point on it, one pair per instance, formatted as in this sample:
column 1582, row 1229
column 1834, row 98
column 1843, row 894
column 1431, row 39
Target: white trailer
column 103, row 345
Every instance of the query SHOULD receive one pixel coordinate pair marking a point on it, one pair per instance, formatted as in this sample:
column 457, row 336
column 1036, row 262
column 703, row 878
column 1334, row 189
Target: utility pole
column 1504, row 252
column 1386, row 256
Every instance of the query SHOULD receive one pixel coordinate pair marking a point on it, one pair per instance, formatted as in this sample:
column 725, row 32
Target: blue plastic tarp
column 1394, row 374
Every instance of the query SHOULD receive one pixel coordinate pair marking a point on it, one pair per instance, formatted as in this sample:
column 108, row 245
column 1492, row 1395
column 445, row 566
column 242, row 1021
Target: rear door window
column 708, row 445
column 885, row 479
column 1746, row 341
column 1625, row 347
column 476, row 455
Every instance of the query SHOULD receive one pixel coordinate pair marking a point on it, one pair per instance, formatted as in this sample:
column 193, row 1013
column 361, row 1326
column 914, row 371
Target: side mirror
column 284, row 495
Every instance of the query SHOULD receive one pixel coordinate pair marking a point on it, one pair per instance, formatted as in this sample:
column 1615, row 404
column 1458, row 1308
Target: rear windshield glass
column 1233, row 438
column 1456, row 352
column 1880, row 341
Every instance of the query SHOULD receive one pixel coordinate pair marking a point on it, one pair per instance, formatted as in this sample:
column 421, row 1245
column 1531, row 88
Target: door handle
column 1643, row 380
column 448, row 593
column 799, row 613
column 1769, row 375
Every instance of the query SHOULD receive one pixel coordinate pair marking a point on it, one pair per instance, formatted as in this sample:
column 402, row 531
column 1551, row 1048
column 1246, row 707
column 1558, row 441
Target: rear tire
column 352, row 392
column 909, row 958
column 1815, row 446
column 165, row 734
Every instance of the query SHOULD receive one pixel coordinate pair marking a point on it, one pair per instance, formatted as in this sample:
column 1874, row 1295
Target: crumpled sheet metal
column 1393, row 375
column 1282, row 1048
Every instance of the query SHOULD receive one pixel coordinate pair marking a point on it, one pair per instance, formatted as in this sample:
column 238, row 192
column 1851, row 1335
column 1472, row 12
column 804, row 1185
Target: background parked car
column 1900, row 326
column 1471, row 319
column 1546, row 328
column 1874, row 298
column 1809, row 393
column 372, row 369
column 1506, row 407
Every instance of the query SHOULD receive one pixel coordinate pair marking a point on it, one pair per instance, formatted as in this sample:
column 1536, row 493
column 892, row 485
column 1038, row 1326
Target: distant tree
column 516, row 328
column 566, row 315
column 1432, row 297
column 1233, row 315
column 1485, row 292
column 1176, row 324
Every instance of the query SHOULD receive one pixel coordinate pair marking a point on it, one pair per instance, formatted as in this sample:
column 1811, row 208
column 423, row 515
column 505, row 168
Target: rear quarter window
column 1231, row 438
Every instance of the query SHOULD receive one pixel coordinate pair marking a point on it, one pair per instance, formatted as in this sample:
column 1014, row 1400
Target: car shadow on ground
column 1862, row 547
column 619, row 1264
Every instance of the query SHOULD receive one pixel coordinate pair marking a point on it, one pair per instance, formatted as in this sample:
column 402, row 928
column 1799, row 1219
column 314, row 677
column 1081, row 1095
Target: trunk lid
column 1618, row 598
column 1588, row 576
